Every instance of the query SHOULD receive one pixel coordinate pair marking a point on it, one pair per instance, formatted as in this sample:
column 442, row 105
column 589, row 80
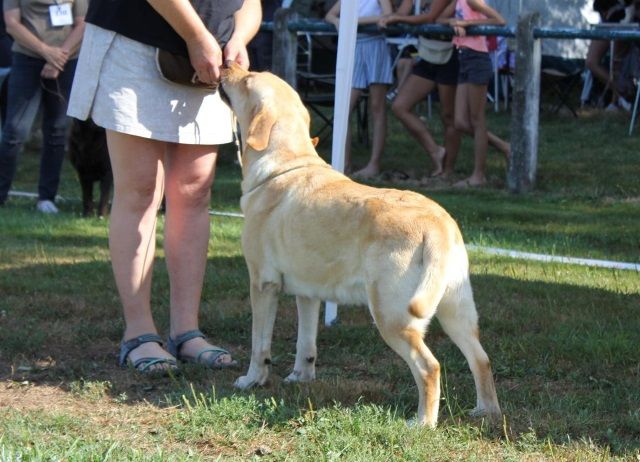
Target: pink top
column 475, row 42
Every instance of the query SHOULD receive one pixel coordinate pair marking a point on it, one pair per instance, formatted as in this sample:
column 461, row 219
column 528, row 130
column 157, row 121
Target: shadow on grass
column 565, row 356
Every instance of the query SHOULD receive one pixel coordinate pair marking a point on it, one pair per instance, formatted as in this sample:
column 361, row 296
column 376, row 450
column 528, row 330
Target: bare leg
column 189, row 176
column 355, row 95
column 414, row 90
column 470, row 117
column 138, row 176
column 500, row 144
column 452, row 136
column 378, row 105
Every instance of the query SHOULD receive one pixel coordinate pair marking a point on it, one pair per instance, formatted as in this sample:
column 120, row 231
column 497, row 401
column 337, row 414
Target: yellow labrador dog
column 312, row 232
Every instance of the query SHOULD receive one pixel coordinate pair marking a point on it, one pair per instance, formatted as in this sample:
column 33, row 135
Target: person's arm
column 247, row 23
column 595, row 53
column 55, row 56
column 333, row 15
column 204, row 51
column 436, row 11
column 70, row 45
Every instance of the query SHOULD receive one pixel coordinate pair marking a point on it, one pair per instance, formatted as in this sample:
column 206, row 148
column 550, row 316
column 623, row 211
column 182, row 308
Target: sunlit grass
column 563, row 339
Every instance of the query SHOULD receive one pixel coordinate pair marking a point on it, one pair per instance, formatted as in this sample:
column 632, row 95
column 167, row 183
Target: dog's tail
column 434, row 278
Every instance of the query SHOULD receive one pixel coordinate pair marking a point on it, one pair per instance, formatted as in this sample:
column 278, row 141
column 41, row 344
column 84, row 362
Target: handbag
column 434, row 51
column 178, row 69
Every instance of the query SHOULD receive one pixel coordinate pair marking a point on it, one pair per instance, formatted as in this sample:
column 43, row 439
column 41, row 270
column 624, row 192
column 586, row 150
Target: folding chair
column 561, row 76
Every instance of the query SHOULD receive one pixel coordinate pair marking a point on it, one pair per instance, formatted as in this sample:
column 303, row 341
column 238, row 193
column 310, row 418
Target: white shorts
column 372, row 62
column 118, row 85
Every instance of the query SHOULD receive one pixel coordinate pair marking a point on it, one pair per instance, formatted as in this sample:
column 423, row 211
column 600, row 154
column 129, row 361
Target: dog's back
column 90, row 157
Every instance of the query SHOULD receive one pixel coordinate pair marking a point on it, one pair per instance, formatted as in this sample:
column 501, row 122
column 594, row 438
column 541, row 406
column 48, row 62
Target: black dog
column 90, row 157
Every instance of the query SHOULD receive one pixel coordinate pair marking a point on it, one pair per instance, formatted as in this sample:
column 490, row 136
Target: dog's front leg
column 304, row 369
column 264, row 303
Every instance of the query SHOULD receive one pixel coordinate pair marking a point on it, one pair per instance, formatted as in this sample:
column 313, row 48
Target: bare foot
column 507, row 152
column 194, row 349
column 151, row 350
column 368, row 172
column 438, row 161
column 470, row 182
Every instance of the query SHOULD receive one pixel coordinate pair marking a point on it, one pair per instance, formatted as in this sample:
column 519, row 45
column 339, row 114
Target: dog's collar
column 284, row 172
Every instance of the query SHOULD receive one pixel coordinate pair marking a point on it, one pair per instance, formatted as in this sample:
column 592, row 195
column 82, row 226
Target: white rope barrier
column 609, row 264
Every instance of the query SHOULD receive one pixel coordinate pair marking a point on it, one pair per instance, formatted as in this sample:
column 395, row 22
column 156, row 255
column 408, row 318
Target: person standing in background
column 47, row 36
column 5, row 65
column 475, row 73
column 425, row 77
column 372, row 71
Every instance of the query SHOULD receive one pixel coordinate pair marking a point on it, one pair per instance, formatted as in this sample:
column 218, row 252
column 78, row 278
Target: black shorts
column 443, row 74
column 475, row 67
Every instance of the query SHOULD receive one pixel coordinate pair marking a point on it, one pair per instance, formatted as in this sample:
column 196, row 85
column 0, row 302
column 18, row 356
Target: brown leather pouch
column 178, row 69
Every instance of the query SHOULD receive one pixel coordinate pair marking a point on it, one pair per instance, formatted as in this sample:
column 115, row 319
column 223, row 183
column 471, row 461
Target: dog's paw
column 245, row 382
column 415, row 422
column 297, row 377
column 491, row 414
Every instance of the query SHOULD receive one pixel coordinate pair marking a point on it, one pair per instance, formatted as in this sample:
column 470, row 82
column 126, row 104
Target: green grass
column 563, row 339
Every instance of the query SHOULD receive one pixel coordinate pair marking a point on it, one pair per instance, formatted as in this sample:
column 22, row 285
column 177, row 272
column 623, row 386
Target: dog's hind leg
column 304, row 369
column 404, row 334
column 459, row 319
column 264, row 304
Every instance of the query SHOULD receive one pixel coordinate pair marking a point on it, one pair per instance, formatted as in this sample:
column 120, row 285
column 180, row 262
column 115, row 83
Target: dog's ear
column 315, row 140
column 260, row 128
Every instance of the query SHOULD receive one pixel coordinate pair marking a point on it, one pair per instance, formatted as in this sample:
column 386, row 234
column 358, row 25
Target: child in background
column 372, row 70
column 424, row 78
column 474, row 76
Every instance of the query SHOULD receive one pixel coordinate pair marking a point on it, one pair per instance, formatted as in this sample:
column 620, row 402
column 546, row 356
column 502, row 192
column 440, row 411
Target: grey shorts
column 475, row 67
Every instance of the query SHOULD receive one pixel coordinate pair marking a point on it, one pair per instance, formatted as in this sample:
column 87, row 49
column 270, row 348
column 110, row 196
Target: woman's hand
column 235, row 50
column 49, row 72
column 459, row 31
column 55, row 56
column 384, row 21
column 206, row 58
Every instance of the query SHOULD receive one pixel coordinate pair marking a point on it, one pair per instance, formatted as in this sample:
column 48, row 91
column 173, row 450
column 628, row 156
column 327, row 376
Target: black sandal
column 143, row 365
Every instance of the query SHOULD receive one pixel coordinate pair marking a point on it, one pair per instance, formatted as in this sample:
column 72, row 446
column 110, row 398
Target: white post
column 344, row 76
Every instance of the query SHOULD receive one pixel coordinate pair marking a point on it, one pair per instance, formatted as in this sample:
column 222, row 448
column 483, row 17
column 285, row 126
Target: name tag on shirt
column 61, row 15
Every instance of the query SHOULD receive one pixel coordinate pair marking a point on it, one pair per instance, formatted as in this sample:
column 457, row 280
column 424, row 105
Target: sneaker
column 611, row 108
column 391, row 95
column 46, row 206
column 624, row 104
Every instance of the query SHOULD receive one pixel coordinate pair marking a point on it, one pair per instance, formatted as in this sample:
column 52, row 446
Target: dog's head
column 268, row 109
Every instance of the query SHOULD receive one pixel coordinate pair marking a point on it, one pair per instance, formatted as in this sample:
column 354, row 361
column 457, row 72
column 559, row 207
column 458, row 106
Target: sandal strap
column 214, row 358
column 128, row 346
column 174, row 345
column 143, row 364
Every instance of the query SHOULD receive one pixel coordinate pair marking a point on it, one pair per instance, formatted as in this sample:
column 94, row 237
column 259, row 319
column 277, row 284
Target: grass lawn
column 564, row 340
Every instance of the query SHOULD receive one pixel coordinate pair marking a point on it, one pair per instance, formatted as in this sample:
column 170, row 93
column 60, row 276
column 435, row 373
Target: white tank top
column 369, row 8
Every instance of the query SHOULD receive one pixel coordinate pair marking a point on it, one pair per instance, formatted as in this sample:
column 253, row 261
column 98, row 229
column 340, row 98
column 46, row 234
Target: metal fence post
column 285, row 46
column 521, row 176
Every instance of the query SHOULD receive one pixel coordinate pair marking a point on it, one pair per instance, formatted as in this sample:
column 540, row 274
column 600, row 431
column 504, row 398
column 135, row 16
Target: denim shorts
column 442, row 74
column 475, row 67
